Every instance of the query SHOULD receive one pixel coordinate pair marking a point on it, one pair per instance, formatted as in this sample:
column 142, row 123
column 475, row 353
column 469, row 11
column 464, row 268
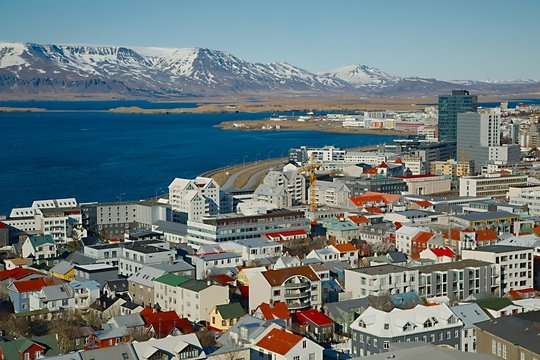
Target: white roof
column 169, row 344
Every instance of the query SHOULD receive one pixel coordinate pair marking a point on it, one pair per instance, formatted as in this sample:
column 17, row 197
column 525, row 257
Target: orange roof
column 279, row 341
column 374, row 210
column 278, row 310
column 345, row 247
column 33, row 285
column 383, row 165
column 372, row 171
column 536, row 230
column 279, row 276
column 486, row 235
column 423, row 203
column 358, row 219
column 445, row 251
column 372, row 196
column 454, row 234
column 398, row 161
column 422, row 237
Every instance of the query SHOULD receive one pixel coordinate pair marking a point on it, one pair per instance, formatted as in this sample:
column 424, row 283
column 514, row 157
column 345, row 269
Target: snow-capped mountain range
column 34, row 70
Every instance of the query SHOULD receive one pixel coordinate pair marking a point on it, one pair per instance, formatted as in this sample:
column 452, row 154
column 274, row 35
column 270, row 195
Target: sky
column 443, row 39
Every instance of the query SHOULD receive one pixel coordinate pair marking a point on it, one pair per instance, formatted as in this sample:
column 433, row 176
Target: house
column 7, row 277
column 141, row 285
column 245, row 273
column 53, row 298
column 105, row 308
column 497, row 307
column 205, row 263
column 14, row 263
column 39, row 247
column 470, row 314
column 98, row 272
column 121, row 352
column 107, row 337
column 510, row 337
column 299, row 287
column 374, row 330
column 286, row 261
column 84, row 293
column 254, row 249
column 63, row 270
column 222, row 317
column 314, row 325
column 193, row 299
column 280, row 344
column 286, row 235
column 344, row 312
column 20, row 291
column 438, row 255
column 116, row 287
column 29, row 348
column 165, row 323
column 347, row 252
column 181, row 347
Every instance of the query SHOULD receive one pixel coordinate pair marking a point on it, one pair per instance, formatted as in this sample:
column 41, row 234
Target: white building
column 193, row 199
column 204, row 263
column 492, row 185
column 469, row 314
column 531, row 199
column 39, row 247
column 281, row 344
column 516, row 264
column 293, row 182
column 380, row 279
column 333, row 194
column 274, row 195
column 254, row 249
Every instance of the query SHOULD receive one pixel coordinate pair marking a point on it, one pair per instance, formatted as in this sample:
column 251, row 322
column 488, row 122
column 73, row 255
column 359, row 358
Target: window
column 311, row 356
column 386, row 345
column 386, row 326
column 297, row 357
column 304, row 344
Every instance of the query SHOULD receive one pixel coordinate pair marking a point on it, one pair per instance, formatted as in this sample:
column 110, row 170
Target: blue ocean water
column 94, row 105
column 100, row 156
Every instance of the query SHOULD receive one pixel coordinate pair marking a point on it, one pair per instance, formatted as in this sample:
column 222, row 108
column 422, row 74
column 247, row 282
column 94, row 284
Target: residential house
column 275, row 311
column 438, row 255
column 20, row 291
column 497, row 307
column 85, row 293
column 470, row 314
column 281, row 344
column 254, row 249
column 344, row 312
column 63, row 270
column 39, row 247
column 510, row 337
column 223, row 316
column 116, row 287
column 314, row 325
column 182, row 347
column 299, row 287
column 164, row 323
column 98, row 272
column 29, row 348
column 206, row 263
column 190, row 298
column 107, row 337
column 374, row 330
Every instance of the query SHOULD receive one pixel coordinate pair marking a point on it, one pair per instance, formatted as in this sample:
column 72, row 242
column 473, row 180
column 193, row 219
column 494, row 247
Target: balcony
column 297, row 305
column 298, row 285
column 297, row 294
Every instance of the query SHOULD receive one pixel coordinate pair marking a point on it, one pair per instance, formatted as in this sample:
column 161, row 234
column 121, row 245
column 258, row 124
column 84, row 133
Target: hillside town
column 427, row 247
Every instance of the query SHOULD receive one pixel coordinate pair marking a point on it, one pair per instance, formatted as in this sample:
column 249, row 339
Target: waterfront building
column 449, row 107
column 293, row 183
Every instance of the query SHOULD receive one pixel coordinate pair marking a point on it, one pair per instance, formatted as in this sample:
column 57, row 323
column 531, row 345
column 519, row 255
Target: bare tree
column 139, row 333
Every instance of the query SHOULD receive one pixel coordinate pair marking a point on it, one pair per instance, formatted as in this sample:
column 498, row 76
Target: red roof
column 314, row 316
column 374, row 210
column 383, row 165
column 371, row 196
column 536, row 230
column 32, row 285
column 223, row 279
column 423, row 203
column 486, row 235
column 358, row 219
column 422, row 237
column 16, row 273
column 278, row 310
column 163, row 323
column 345, row 247
column 279, row 341
column 398, row 161
column 445, row 251
column 454, row 234
column 3, row 226
column 244, row 291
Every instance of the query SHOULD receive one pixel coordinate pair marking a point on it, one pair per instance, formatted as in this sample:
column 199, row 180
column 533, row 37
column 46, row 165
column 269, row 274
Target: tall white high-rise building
column 479, row 139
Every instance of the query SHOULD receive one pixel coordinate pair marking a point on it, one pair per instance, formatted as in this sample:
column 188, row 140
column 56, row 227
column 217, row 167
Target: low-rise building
column 278, row 344
column 492, row 185
column 380, row 279
column 39, row 247
column 223, row 316
column 469, row 314
column 427, row 184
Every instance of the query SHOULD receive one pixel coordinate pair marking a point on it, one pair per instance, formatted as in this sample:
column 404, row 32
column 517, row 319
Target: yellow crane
column 309, row 169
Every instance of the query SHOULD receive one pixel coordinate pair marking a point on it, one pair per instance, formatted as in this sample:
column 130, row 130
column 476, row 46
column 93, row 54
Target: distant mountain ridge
column 34, row 70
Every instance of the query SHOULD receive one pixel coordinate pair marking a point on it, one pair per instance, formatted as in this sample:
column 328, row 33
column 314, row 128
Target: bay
column 100, row 156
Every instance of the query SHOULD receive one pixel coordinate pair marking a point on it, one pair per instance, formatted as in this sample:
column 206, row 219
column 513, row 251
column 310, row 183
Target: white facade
column 380, row 279
column 333, row 194
column 531, row 199
column 274, row 195
column 293, row 182
column 493, row 185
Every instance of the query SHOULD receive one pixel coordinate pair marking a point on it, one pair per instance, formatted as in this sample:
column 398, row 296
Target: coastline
column 289, row 125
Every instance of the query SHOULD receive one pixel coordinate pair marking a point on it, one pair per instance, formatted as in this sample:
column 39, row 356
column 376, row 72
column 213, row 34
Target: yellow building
column 63, row 270
column 222, row 317
column 450, row 168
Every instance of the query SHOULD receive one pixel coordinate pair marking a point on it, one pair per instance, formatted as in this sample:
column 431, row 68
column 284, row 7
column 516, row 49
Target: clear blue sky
column 445, row 39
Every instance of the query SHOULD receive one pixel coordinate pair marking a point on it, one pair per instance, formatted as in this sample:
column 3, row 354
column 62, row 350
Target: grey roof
column 381, row 269
column 171, row 227
column 256, row 242
column 62, row 267
column 414, row 213
column 470, row 314
column 132, row 320
column 117, row 284
column 121, row 352
column 478, row 216
column 177, row 266
column 397, row 257
column 255, row 327
column 146, row 276
column 501, row 248
column 80, row 259
column 346, row 306
column 462, row 264
column 505, row 327
column 56, row 292
column 217, row 256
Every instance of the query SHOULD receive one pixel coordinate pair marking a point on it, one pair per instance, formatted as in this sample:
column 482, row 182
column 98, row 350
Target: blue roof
column 477, row 216
column 90, row 285
column 40, row 240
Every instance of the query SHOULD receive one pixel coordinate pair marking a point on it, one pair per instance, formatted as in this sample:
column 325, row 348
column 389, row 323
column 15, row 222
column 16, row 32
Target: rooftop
column 462, row 264
column 381, row 269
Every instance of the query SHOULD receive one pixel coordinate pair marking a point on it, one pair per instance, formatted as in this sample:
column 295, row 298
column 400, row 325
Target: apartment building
column 274, row 195
column 331, row 193
column 193, row 199
column 490, row 185
column 502, row 222
column 516, row 264
column 380, row 279
column 458, row 280
column 427, row 184
column 231, row 227
column 116, row 219
column 193, row 299
column 374, row 330
column 470, row 314
column 298, row 287
column 293, row 183
column 451, row 167
column 531, row 199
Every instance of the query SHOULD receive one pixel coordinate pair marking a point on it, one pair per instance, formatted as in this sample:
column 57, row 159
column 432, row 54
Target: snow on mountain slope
column 362, row 75
column 10, row 54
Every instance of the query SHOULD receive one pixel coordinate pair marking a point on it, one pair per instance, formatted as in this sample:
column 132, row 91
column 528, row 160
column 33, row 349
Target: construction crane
column 310, row 170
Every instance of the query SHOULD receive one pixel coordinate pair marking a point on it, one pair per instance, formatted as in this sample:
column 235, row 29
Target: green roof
column 12, row 349
column 172, row 279
column 41, row 240
column 231, row 311
column 494, row 303
column 194, row 285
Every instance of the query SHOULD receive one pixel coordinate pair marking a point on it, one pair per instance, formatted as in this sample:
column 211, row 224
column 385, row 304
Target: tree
column 139, row 333
column 15, row 327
